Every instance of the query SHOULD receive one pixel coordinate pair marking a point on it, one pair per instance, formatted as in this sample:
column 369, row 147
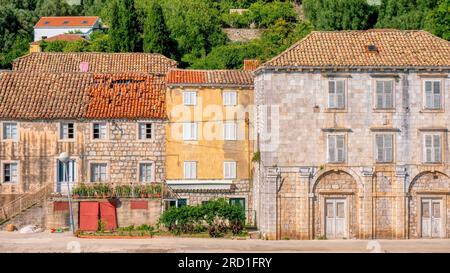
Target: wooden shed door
column 335, row 218
column 88, row 216
column 108, row 214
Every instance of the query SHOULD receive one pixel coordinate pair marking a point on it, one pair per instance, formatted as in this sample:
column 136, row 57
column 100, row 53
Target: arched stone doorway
column 427, row 204
column 335, row 206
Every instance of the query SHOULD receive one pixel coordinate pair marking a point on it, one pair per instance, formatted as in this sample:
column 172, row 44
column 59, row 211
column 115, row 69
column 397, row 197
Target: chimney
column 84, row 67
column 251, row 65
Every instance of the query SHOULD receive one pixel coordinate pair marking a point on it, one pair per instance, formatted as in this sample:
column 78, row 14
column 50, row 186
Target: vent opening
column 372, row 48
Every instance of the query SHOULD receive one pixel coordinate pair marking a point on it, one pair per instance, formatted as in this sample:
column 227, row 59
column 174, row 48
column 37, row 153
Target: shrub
column 216, row 216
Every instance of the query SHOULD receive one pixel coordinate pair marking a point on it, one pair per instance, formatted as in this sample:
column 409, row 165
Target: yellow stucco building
column 209, row 137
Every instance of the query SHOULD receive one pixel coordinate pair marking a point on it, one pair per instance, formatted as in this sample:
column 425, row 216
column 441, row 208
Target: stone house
column 352, row 128
column 209, row 142
column 106, row 110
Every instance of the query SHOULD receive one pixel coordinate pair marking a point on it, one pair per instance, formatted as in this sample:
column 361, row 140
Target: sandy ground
column 65, row 242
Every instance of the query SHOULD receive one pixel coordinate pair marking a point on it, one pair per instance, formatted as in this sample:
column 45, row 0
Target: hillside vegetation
column 190, row 31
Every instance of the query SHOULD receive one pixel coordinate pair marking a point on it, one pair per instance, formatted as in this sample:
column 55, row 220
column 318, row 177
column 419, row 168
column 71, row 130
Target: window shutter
column 340, row 148
column 331, row 94
column 379, row 142
column 389, row 98
column 428, row 94
column 194, row 98
column 340, row 94
column 437, row 148
column 379, row 94
column 331, row 148
column 436, row 94
column 388, row 139
column 428, row 148
column 193, row 131
column 233, row 98
column 194, row 170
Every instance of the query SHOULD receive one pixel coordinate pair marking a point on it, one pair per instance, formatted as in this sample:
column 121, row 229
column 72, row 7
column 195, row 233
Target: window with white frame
column 229, row 130
column 145, row 130
column 10, row 130
column 10, row 174
column 99, row 172
column 433, row 95
column 384, row 147
column 190, row 131
column 190, row 170
column 229, row 169
column 99, row 131
column 67, row 130
column 68, row 169
column 384, row 94
column 336, row 148
column 189, row 98
column 146, row 171
column 229, row 98
column 336, row 94
column 432, row 148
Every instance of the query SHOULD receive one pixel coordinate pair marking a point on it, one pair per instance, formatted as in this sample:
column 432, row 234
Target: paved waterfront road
column 48, row 242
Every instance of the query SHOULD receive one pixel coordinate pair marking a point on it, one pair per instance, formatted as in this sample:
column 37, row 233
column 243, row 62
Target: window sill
column 10, row 140
column 384, row 110
column 432, row 111
column 335, row 110
column 66, row 140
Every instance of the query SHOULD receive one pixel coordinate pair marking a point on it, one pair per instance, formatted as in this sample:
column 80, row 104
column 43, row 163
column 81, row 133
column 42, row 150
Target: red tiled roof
column 394, row 48
column 61, row 37
column 26, row 96
column 251, row 65
column 66, row 21
column 97, row 62
column 127, row 96
column 209, row 77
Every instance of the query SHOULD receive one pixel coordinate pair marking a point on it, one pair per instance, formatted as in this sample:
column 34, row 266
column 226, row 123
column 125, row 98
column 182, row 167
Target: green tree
column 404, row 14
column 438, row 20
column 340, row 14
column 124, row 29
column 55, row 46
column 54, row 8
column 156, row 34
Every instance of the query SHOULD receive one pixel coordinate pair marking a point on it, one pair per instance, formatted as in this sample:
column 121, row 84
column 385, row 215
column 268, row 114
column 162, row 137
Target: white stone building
column 353, row 132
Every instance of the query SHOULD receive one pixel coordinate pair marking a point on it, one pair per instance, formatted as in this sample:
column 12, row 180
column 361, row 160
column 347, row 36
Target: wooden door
column 88, row 216
column 431, row 218
column 335, row 218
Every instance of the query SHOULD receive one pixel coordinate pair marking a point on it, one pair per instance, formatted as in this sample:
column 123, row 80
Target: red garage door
column 89, row 216
column 108, row 214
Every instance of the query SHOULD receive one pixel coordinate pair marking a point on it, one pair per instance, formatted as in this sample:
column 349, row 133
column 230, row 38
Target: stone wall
column 39, row 145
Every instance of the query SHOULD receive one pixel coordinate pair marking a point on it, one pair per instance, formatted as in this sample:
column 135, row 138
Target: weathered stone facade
column 383, row 200
column 39, row 145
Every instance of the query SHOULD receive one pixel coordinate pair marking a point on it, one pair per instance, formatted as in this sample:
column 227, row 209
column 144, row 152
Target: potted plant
column 106, row 191
column 98, row 190
column 90, row 191
column 126, row 190
column 144, row 191
column 136, row 191
column 156, row 190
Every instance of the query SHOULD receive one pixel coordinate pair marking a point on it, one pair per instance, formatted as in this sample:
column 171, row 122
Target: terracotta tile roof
column 177, row 77
column 251, row 65
column 393, row 48
column 96, row 62
column 61, row 37
column 25, row 96
column 127, row 96
column 67, row 21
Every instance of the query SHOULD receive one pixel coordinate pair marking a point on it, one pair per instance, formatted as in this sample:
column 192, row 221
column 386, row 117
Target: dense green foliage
column 190, row 31
column 156, row 34
column 216, row 216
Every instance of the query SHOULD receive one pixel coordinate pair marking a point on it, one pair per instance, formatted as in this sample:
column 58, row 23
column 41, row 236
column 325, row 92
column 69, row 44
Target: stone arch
column 316, row 178
column 427, row 185
column 336, row 185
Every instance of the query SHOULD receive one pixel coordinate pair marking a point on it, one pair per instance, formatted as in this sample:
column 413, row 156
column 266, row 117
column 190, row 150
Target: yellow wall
column 35, row 48
column 210, row 150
